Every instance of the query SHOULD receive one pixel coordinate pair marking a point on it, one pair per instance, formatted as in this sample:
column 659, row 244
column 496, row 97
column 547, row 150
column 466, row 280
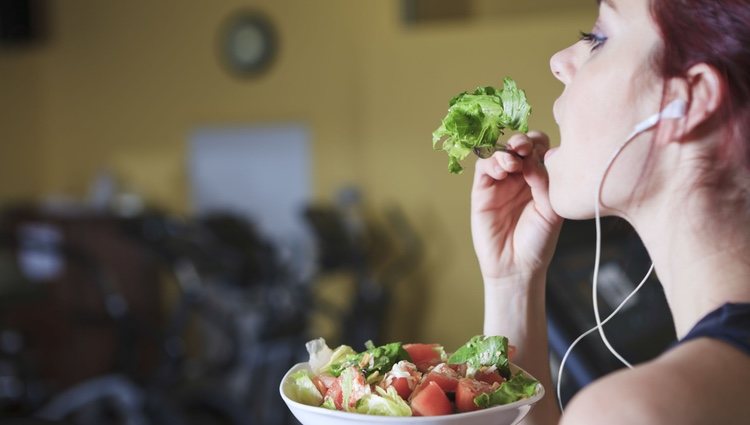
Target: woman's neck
column 701, row 254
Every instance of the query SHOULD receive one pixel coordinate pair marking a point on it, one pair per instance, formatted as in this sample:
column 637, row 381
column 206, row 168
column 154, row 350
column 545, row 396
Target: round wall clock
column 248, row 44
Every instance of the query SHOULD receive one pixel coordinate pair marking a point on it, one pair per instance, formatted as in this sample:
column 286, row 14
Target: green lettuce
column 348, row 378
column 384, row 403
column 302, row 389
column 328, row 403
column 338, row 357
column 373, row 362
column 483, row 351
column 323, row 359
column 478, row 118
column 518, row 387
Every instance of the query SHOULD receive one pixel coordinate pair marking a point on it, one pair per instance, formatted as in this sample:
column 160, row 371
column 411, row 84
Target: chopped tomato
column 323, row 382
column 460, row 368
column 319, row 385
column 489, row 377
column 403, row 377
column 401, row 385
column 431, row 401
column 424, row 355
column 360, row 387
column 444, row 376
column 467, row 390
column 334, row 393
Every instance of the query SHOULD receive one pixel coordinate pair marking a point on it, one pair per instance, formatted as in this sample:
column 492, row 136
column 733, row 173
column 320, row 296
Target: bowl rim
column 376, row 418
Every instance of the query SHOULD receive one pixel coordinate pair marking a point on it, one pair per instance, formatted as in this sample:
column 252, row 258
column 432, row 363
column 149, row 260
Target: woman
column 684, row 185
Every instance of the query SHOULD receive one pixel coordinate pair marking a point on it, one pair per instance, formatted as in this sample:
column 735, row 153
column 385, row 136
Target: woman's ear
column 702, row 90
column 706, row 93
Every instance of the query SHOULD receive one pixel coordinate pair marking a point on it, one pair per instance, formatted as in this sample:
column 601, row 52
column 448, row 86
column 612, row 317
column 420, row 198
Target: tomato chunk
column 460, row 369
column 359, row 387
column 467, row 390
column 431, row 401
column 443, row 375
column 401, row 385
column 323, row 382
column 403, row 377
column 334, row 393
column 489, row 377
column 424, row 355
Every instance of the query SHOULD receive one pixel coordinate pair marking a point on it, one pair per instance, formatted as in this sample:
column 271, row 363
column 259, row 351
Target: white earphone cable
column 583, row 335
column 598, row 255
column 676, row 109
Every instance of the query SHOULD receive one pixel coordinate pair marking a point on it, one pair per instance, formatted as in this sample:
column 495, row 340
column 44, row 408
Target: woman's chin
column 568, row 207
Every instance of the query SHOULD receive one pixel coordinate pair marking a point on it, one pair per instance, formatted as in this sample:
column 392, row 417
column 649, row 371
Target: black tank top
column 729, row 323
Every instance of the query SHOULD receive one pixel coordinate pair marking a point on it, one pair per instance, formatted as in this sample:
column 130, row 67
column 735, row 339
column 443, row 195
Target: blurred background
column 190, row 190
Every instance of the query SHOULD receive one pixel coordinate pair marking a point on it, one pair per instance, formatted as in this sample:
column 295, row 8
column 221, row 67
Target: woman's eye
column 595, row 40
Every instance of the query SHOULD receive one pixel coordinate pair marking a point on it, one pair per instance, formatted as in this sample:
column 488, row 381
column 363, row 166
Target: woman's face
column 610, row 86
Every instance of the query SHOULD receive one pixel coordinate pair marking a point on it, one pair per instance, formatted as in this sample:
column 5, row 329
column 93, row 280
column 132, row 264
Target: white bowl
column 508, row 414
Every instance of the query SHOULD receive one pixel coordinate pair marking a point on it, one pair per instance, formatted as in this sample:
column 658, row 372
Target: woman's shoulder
column 698, row 382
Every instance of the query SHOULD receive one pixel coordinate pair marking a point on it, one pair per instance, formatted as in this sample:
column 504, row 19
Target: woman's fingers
column 535, row 175
column 525, row 158
column 488, row 171
column 500, row 164
column 521, row 144
column 541, row 140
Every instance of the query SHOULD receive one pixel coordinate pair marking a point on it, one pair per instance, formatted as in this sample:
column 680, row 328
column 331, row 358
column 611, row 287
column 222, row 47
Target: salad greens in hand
column 478, row 118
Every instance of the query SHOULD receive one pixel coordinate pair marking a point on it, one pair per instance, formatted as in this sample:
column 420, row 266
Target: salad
column 410, row 379
column 476, row 120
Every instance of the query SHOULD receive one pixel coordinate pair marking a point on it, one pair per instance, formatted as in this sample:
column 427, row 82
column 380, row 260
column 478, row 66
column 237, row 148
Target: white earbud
column 675, row 109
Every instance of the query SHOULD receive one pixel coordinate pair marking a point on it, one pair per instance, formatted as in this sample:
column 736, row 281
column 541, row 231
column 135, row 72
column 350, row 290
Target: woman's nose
column 562, row 66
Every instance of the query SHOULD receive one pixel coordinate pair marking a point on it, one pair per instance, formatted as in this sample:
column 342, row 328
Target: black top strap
column 729, row 323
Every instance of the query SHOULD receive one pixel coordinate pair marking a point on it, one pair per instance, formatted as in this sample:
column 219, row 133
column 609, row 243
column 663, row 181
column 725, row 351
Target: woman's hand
column 512, row 222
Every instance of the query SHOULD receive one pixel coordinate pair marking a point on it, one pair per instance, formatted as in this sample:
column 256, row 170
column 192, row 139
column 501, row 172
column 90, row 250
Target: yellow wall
column 121, row 84
column 20, row 118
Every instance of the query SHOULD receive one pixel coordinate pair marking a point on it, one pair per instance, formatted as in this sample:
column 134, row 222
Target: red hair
column 716, row 33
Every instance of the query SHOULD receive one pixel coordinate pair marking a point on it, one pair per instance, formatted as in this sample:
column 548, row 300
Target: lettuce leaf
column 374, row 360
column 328, row 403
column 516, row 388
column 302, row 389
column 516, row 109
column 320, row 354
column 324, row 360
column 478, row 118
column 483, row 351
column 384, row 403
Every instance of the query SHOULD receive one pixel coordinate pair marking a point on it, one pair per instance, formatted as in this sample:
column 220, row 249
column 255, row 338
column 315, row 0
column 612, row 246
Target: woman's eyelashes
column 593, row 39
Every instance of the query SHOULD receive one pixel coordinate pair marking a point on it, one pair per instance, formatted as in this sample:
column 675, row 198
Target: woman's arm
column 515, row 308
column 515, row 231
